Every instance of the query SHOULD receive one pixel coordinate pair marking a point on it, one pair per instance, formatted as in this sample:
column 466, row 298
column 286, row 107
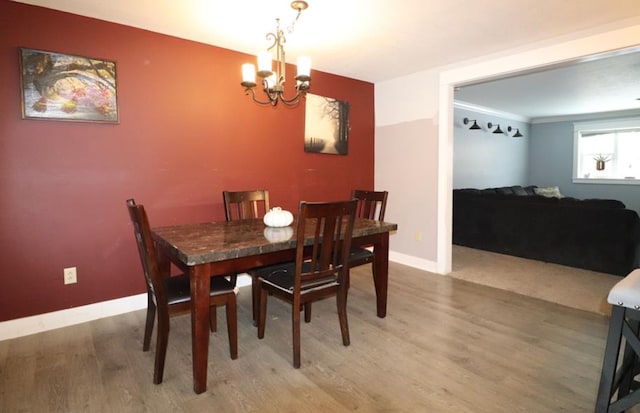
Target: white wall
column 406, row 164
column 427, row 98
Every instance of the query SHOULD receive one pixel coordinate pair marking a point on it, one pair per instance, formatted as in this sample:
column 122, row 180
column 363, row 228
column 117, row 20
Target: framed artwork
column 58, row 86
column 326, row 128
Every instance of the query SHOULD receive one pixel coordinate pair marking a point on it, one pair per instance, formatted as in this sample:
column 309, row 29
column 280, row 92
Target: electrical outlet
column 70, row 275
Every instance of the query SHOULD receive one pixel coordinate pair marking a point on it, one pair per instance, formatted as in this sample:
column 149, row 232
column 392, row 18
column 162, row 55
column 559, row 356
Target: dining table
column 220, row 248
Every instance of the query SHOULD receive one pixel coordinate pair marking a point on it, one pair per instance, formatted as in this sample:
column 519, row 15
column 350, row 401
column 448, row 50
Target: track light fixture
column 474, row 126
column 491, row 125
column 515, row 135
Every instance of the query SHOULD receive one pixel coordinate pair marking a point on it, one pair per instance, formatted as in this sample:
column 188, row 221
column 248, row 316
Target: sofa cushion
column 504, row 190
column 603, row 203
column 519, row 191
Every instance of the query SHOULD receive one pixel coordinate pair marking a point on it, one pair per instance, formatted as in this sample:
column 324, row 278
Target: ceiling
column 609, row 83
column 377, row 40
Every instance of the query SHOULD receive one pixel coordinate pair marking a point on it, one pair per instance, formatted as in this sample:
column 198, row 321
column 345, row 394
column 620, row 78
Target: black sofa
column 594, row 234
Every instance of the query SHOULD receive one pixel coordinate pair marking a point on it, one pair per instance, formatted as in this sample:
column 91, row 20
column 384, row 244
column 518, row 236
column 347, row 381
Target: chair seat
column 626, row 292
column 179, row 290
column 359, row 256
column 283, row 275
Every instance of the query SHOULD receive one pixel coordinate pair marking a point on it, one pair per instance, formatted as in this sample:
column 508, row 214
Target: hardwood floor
column 446, row 345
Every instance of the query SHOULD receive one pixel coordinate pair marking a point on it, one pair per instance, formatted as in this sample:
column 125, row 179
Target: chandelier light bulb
column 304, row 67
column 248, row 75
column 264, row 63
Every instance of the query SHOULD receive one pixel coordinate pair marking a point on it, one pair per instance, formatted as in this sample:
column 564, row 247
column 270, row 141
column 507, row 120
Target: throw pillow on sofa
column 548, row 191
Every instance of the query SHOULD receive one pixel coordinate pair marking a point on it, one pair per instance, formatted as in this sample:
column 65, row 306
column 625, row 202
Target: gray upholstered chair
column 616, row 392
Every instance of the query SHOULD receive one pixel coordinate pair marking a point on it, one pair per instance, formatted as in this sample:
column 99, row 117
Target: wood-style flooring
column 446, row 345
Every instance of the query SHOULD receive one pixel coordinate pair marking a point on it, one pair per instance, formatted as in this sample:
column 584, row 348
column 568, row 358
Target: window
column 607, row 152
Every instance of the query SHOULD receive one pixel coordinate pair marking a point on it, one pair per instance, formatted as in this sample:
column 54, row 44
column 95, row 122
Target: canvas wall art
column 58, row 86
column 326, row 125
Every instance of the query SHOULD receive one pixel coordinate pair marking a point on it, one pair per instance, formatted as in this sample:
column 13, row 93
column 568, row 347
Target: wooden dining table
column 220, row 248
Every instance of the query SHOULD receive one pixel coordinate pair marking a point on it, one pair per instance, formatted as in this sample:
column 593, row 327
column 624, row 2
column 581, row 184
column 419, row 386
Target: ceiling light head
column 474, row 126
column 491, row 125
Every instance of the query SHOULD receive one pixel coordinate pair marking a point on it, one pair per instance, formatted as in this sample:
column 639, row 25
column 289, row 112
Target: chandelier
column 273, row 80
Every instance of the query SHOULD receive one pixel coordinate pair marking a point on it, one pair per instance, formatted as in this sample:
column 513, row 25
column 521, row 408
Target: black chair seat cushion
column 282, row 276
column 178, row 288
column 358, row 256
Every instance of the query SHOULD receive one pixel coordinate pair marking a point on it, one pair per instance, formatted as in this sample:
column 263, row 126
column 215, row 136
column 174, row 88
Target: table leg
column 381, row 272
column 200, row 285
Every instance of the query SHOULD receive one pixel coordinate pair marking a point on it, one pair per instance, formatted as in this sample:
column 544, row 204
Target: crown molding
column 587, row 116
column 489, row 111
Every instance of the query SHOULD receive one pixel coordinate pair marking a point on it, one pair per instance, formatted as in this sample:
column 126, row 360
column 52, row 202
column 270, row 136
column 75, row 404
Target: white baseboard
column 412, row 261
column 64, row 318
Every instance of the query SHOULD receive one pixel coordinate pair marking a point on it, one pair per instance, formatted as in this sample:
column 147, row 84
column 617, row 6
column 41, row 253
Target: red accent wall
column 186, row 133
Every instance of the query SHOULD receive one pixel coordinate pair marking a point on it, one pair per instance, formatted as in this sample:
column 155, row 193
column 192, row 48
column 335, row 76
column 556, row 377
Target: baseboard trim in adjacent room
column 411, row 261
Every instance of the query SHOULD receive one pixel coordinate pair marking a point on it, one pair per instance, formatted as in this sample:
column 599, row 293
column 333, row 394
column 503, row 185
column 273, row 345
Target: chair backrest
column 371, row 204
column 245, row 204
column 331, row 224
column 146, row 250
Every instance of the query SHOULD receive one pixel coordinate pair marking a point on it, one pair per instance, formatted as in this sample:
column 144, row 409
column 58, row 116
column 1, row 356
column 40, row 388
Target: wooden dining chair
column 316, row 274
column 171, row 295
column 240, row 205
column 245, row 204
column 370, row 205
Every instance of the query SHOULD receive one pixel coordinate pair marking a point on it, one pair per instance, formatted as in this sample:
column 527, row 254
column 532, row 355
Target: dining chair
column 169, row 296
column 370, row 205
column 319, row 272
column 240, row 205
column 245, row 204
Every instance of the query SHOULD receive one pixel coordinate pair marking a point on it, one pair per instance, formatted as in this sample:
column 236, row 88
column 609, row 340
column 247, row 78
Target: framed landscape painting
column 326, row 127
column 58, row 86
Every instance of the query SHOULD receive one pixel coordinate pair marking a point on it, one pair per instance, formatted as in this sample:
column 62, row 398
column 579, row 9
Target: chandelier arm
column 252, row 92
column 273, row 93
column 293, row 101
column 273, row 38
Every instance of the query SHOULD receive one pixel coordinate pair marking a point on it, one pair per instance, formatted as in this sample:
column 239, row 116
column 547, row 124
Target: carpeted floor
column 572, row 287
